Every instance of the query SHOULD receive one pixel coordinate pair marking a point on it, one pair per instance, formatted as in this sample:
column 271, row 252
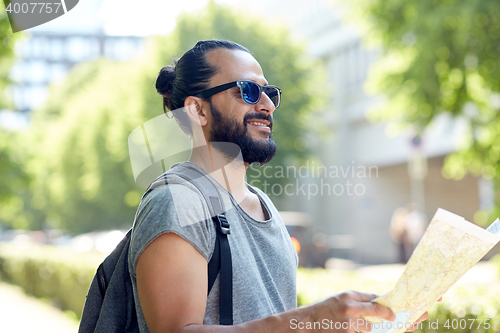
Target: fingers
column 360, row 297
column 376, row 310
column 365, row 306
column 363, row 326
column 351, row 306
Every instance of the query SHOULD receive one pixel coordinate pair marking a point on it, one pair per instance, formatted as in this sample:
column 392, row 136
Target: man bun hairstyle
column 164, row 85
column 188, row 76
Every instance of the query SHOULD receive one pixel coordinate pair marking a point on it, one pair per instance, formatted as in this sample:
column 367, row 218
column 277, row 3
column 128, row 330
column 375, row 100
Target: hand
column 345, row 312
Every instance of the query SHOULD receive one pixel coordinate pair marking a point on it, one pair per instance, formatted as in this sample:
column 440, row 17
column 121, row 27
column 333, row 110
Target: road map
column 448, row 249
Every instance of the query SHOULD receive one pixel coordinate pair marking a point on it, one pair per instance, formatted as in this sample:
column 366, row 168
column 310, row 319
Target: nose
column 265, row 104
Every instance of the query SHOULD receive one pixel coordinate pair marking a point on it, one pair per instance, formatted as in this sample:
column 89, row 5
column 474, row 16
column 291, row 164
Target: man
column 214, row 98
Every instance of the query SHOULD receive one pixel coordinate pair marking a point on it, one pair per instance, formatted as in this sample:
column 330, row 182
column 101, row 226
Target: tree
column 81, row 164
column 12, row 175
column 440, row 57
column 7, row 41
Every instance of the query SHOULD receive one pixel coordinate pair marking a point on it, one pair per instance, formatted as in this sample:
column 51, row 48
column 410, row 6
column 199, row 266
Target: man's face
column 253, row 150
column 233, row 120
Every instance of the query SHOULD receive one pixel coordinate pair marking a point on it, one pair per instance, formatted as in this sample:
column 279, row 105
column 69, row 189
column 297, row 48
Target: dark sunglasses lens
column 251, row 92
column 273, row 95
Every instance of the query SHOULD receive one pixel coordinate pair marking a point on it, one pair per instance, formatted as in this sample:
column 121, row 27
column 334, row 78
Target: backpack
column 110, row 306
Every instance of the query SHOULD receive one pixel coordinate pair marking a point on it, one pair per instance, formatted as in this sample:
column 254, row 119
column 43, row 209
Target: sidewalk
column 23, row 314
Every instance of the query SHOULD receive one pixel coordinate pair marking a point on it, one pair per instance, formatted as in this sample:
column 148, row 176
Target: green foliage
column 10, row 166
column 7, row 41
column 50, row 272
column 83, row 176
column 496, row 260
column 13, row 178
column 459, row 303
column 79, row 142
column 437, row 56
column 318, row 283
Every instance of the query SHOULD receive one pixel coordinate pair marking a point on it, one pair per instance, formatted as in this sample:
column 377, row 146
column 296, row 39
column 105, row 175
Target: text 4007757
column 453, row 324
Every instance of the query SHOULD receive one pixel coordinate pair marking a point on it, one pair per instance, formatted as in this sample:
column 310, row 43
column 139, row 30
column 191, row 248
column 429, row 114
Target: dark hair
column 188, row 76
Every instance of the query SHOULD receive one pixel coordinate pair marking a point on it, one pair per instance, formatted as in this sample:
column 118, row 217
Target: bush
column 46, row 271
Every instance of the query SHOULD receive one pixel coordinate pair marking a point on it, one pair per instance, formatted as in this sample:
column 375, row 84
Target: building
column 46, row 58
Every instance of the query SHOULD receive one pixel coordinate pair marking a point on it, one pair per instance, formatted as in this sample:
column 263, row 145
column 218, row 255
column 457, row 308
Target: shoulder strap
column 225, row 266
column 221, row 258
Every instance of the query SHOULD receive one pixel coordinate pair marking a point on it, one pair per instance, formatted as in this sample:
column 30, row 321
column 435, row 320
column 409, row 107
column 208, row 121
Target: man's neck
column 227, row 171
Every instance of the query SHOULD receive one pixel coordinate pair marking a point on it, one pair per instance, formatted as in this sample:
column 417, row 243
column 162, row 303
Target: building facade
column 45, row 58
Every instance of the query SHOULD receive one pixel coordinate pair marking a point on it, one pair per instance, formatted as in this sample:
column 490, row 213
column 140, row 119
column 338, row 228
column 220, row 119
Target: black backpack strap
column 226, row 272
column 221, row 258
column 102, row 281
column 214, row 265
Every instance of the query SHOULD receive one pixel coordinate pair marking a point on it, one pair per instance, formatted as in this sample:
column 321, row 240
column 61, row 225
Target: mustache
column 259, row 115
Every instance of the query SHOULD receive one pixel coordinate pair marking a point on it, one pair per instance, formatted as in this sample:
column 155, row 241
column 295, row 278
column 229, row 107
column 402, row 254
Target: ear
column 194, row 110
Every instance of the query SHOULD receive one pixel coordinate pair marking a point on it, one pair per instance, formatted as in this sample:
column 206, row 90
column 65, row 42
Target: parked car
column 102, row 241
column 312, row 247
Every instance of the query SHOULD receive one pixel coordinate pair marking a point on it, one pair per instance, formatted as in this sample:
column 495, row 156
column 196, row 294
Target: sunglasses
column 250, row 91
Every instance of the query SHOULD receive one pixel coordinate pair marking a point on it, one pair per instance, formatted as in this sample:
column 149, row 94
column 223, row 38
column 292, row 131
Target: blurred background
column 390, row 110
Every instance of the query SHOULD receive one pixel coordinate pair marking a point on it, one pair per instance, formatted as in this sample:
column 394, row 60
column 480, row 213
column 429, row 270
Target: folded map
column 448, row 249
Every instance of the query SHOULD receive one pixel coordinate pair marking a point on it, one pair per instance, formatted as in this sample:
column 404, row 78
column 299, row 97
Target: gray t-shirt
column 263, row 257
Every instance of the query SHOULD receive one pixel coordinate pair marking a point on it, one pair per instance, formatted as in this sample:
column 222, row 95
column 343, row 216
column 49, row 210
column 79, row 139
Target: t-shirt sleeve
column 176, row 208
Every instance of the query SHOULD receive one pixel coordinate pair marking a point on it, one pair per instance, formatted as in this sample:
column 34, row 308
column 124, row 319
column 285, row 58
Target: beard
column 223, row 129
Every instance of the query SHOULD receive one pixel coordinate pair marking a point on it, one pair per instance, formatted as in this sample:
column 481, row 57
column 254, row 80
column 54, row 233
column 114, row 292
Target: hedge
column 64, row 277
column 46, row 271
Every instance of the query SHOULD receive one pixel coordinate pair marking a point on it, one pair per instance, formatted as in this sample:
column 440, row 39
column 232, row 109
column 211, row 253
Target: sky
column 125, row 17
column 152, row 16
